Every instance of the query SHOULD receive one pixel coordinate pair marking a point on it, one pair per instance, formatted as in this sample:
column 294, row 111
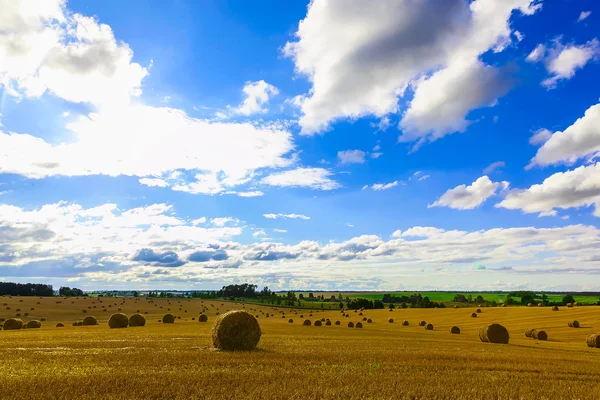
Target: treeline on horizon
column 36, row 289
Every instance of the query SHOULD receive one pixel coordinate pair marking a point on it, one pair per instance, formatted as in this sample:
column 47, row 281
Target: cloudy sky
column 332, row 144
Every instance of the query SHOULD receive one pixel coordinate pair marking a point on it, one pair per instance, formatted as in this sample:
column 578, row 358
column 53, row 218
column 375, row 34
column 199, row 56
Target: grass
column 382, row 360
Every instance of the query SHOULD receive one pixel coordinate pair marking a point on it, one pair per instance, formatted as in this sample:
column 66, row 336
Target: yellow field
column 381, row 361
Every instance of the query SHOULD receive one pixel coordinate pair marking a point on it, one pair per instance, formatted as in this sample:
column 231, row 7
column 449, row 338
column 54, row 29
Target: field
column 381, row 361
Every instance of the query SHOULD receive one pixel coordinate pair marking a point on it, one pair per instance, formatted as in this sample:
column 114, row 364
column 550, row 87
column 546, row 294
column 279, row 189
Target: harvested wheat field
column 293, row 361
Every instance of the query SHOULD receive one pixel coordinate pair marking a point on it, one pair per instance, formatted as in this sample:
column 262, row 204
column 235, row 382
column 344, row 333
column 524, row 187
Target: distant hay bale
column 539, row 335
column 570, row 305
column 328, row 323
column 236, row 330
column 318, row 323
column 555, row 308
column 168, row 319
column 540, row 304
column 529, row 304
column 592, row 340
column 369, row 321
column 455, row 330
column 60, row 325
column 350, row 324
column 577, row 304
column 429, row 327
column 34, row 324
column 118, row 320
column 360, row 313
column 422, row 323
column 338, row 323
column 405, row 323
column 478, row 310
column 301, row 316
column 290, row 321
column 493, row 333
column 456, row 306
column 573, row 324
column 203, row 318
column 12, row 324
column 358, row 325
column 75, row 323
column 137, row 320
column 473, row 315
column 80, row 323
column 89, row 320
column 42, row 319
column 364, row 318
column 529, row 332
column 503, row 304
column 391, row 320
column 307, row 322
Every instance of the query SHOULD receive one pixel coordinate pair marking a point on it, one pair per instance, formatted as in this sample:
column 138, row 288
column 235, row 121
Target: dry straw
column 12, row 324
column 573, row 324
column 539, row 335
column 137, row 320
column 118, row 320
column 592, row 340
column 203, row 318
column 89, row 320
column 236, row 330
column 168, row 319
column 34, row 324
column 493, row 333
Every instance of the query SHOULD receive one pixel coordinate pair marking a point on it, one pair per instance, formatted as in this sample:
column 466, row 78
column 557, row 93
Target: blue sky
column 325, row 145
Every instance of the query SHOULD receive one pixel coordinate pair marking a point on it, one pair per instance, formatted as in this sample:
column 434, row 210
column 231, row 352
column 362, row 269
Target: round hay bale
column 290, row 321
column 360, row 313
column 203, row 318
column 391, row 320
column 358, row 325
column 405, row 323
column 118, row 320
column 369, row 321
column 539, row 335
column 422, row 323
column 89, row 320
column 540, row 305
column 338, row 323
column 529, row 304
column 455, row 330
column 592, row 340
column 318, row 323
column 478, row 310
column 503, row 304
column 60, row 325
column 555, row 308
column 576, row 304
column 328, row 323
column 34, row 324
column 80, row 323
column 573, row 324
column 236, row 330
column 350, row 324
column 473, row 315
column 301, row 316
column 137, row 320
column 493, row 333
column 168, row 319
column 429, row 327
column 12, row 324
column 75, row 323
column 456, row 306
column 307, row 322
column 570, row 305
column 364, row 318
column 529, row 332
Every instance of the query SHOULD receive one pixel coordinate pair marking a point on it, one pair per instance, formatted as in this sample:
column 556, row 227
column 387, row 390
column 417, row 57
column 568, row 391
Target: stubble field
column 382, row 360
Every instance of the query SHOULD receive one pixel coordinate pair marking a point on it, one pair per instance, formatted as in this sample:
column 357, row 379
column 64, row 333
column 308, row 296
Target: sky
column 325, row 145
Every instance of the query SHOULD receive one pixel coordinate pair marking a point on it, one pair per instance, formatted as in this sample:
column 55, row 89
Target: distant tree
column 479, row 299
column 300, row 296
column 527, row 298
column 568, row 299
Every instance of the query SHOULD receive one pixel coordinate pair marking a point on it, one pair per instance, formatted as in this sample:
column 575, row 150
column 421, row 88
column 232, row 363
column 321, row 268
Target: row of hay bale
column 537, row 334
column 16, row 323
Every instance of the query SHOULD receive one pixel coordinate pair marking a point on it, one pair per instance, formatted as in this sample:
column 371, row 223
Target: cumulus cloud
column 387, row 46
column 494, row 167
column 583, row 15
column 222, row 221
column 465, row 197
column 313, row 178
column 257, row 95
column 166, row 259
column 45, row 48
column 381, row 186
column 154, row 182
column 582, row 139
column 571, row 189
column 208, row 255
column 351, row 156
column 540, row 137
column 286, row 216
column 563, row 61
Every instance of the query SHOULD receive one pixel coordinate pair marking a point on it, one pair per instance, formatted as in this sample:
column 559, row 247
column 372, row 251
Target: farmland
column 382, row 360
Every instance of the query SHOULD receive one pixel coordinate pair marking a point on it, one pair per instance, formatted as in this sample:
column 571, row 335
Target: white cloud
column 469, row 197
column 386, row 46
column 201, row 220
column 583, row 15
column 571, row 189
column 286, row 216
column 45, row 48
column 154, row 182
column 222, row 221
column 562, row 61
column 253, row 193
column 493, row 167
column 376, row 155
column 259, row 232
column 280, row 230
column 351, row 156
column 540, row 137
column 582, row 139
column 382, row 186
column 257, row 95
column 313, row 178
column 424, row 177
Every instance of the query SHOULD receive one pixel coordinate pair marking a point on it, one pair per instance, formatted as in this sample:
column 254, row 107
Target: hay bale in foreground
column 168, row 319
column 455, row 330
column 236, row 330
column 422, row 323
column 350, row 324
column 573, row 324
column 318, row 323
column 405, row 323
column 12, row 324
column 529, row 332
column 89, row 320
column 118, row 320
column 358, row 325
column 203, row 318
column 555, row 308
column 539, row 335
column 592, row 340
column 429, row 327
column 137, row 320
column 493, row 333
column 60, row 325
column 307, row 322
column 34, row 324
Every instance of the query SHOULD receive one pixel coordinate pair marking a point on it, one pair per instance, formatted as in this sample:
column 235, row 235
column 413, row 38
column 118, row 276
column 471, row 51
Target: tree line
column 36, row 289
